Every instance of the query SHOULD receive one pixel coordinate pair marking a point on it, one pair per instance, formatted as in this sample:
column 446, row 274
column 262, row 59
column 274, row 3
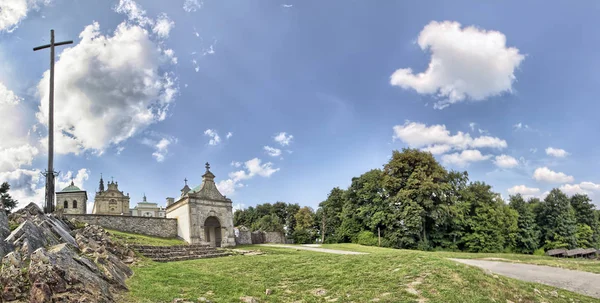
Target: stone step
column 158, row 250
column 192, row 257
column 135, row 246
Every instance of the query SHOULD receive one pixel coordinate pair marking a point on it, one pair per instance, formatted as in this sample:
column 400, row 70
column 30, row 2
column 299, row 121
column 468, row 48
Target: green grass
column 130, row 238
column 581, row 264
column 388, row 275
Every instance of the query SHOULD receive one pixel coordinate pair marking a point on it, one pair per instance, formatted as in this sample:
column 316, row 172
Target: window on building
column 66, row 204
column 74, row 203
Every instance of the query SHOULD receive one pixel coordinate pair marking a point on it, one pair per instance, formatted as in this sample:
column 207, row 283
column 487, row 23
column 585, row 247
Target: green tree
column 527, row 237
column 5, row 199
column 486, row 229
column 365, row 206
column 585, row 213
column 331, row 215
column 305, row 218
column 558, row 221
column 268, row 223
column 584, row 236
column 416, row 185
column 290, row 219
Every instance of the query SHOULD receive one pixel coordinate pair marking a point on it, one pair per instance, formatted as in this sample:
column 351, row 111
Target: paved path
column 317, row 249
column 576, row 281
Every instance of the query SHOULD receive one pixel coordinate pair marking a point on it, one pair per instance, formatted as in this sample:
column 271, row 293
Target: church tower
column 72, row 200
column 111, row 201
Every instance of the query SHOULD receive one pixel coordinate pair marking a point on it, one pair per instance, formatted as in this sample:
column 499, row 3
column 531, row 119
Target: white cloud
column 584, row 188
column 437, row 139
column 546, row 175
column 134, row 12
column 12, row 12
column 160, row 145
column 252, row 168
column 163, row 26
column 108, row 89
column 287, row 5
column 438, row 149
column 273, row 152
column 215, row 139
column 229, row 135
column 466, row 64
column 238, row 206
column 171, row 54
column 14, row 157
column 464, row 158
column 533, row 150
column 192, row 5
column 556, row 152
column 236, row 164
column 523, row 190
column 505, row 161
column 283, row 138
column 120, row 149
column 472, row 126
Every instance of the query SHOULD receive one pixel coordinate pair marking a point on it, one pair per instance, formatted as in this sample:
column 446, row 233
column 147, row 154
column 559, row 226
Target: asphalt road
column 576, row 281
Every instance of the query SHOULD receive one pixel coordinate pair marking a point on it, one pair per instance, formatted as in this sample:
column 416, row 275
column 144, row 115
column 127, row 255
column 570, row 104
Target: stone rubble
column 46, row 260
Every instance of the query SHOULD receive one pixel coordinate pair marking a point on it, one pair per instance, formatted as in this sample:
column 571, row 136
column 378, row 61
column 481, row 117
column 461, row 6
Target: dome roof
column 71, row 187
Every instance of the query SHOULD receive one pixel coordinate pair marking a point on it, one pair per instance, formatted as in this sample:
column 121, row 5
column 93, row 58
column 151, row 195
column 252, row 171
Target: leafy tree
column 290, row 219
column 365, row 206
column 5, row 199
column 585, row 213
column 558, row 221
column 527, row 236
column 451, row 228
column 486, row 230
column 584, row 236
column 416, row 184
column 304, row 218
column 268, row 223
column 332, row 209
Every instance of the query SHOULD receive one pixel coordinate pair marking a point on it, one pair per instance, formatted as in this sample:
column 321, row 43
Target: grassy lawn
column 384, row 275
column 592, row 266
column 130, row 238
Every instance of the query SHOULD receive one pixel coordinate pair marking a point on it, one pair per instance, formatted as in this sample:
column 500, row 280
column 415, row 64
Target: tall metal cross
column 50, row 173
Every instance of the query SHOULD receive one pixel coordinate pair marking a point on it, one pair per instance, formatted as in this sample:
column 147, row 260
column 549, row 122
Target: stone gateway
column 204, row 215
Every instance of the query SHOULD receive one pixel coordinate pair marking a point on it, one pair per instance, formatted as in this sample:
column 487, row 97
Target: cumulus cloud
column 273, row 152
column 108, row 88
column 556, row 152
column 214, row 137
column 283, row 138
column 585, row 188
column 472, row 126
column 192, row 5
column 14, row 157
column 544, row 174
column 437, row 139
column 464, row 158
column 163, row 26
column 252, row 168
column 523, row 190
column 466, row 64
column 134, row 12
column 236, row 164
column 12, row 12
column 505, row 161
column 229, row 135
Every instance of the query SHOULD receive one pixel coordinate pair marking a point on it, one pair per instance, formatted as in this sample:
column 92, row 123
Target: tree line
column 415, row 203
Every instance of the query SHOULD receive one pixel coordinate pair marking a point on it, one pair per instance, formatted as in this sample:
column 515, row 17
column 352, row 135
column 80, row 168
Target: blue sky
column 504, row 90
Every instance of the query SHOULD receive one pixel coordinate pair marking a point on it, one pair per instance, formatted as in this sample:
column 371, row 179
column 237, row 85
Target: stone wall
column 243, row 238
column 259, row 237
column 274, row 237
column 157, row 227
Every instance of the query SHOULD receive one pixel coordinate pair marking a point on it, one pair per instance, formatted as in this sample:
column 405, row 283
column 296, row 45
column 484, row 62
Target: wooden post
column 50, row 174
column 379, row 235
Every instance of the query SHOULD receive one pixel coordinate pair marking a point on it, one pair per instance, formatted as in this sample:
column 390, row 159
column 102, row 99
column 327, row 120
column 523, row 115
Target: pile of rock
column 45, row 260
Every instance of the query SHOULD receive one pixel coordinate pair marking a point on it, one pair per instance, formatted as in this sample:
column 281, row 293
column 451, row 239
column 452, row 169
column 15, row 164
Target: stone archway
column 212, row 231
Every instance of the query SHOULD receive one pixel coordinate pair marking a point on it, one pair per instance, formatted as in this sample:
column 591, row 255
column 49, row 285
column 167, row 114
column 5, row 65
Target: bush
column 539, row 252
column 366, row 238
column 302, row 236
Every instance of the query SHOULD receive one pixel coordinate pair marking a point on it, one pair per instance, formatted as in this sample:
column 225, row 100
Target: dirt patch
column 410, row 288
column 319, row 292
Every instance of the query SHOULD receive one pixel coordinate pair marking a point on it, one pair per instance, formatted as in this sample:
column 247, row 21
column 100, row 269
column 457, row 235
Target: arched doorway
column 212, row 231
